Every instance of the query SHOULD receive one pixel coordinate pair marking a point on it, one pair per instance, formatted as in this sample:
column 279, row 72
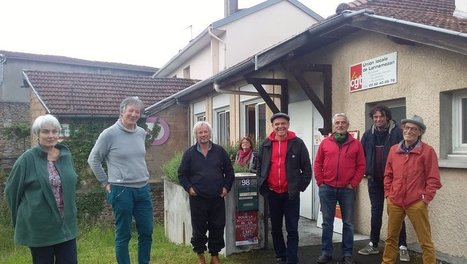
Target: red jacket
column 411, row 177
column 339, row 166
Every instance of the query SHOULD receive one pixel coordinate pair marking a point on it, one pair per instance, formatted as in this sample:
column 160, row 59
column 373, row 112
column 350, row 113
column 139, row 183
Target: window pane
column 464, row 120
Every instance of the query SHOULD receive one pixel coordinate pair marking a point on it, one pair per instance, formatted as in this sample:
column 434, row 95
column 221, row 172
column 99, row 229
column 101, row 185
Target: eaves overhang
column 203, row 87
column 348, row 22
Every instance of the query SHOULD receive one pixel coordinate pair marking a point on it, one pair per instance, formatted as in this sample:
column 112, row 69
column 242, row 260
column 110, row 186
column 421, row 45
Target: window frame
column 222, row 127
column 458, row 147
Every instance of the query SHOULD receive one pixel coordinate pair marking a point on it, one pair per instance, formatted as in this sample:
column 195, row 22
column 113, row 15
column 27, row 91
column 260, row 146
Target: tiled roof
column 83, row 94
column 74, row 61
column 437, row 13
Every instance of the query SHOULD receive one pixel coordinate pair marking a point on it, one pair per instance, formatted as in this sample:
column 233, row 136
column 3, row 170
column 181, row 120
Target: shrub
column 170, row 168
column 90, row 205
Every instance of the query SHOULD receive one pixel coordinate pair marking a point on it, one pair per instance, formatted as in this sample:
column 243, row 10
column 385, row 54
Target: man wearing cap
column 283, row 170
column 411, row 180
column 339, row 167
column 376, row 141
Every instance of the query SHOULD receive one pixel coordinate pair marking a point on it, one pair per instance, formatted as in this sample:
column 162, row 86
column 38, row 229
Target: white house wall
column 422, row 73
column 249, row 35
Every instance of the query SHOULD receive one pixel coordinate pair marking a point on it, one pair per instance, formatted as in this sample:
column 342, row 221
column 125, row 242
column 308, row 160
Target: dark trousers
column 376, row 192
column 281, row 206
column 207, row 214
column 62, row 253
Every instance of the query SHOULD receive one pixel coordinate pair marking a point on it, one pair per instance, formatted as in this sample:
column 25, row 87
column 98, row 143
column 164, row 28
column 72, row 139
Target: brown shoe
column 215, row 260
column 201, row 259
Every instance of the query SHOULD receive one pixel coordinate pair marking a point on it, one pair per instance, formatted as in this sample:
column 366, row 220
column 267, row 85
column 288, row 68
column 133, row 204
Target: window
column 255, row 121
column 223, row 127
column 459, row 122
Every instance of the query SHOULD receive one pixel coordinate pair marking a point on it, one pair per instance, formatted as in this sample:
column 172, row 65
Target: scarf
column 243, row 157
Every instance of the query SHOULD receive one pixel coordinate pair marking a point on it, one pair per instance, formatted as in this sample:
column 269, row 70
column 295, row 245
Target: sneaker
column 368, row 250
column 404, row 254
column 323, row 259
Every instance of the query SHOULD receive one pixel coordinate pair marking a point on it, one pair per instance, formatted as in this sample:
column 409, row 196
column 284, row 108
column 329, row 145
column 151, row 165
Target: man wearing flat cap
column 283, row 170
column 411, row 179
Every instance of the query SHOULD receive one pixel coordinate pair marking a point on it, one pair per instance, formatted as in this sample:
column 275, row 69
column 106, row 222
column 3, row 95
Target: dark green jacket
column 35, row 215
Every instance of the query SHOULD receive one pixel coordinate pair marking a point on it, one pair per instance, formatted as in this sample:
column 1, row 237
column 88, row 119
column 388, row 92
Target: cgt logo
column 356, row 77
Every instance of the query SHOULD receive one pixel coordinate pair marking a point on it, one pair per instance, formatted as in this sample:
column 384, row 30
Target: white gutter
column 223, row 43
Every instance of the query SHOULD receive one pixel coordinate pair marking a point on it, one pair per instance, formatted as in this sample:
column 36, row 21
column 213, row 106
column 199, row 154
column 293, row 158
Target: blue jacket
column 368, row 142
column 35, row 215
column 206, row 175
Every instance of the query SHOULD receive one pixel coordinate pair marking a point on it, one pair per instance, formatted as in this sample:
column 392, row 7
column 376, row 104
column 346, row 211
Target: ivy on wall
column 19, row 132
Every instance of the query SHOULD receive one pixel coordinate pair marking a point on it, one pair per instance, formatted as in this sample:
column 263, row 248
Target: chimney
column 460, row 11
column 230, row 7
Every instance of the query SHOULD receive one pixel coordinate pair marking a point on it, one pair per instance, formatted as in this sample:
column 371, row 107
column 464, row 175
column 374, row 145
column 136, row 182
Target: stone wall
column 10, row 149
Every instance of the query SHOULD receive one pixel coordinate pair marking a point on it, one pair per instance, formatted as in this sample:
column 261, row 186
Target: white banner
column 373, row 73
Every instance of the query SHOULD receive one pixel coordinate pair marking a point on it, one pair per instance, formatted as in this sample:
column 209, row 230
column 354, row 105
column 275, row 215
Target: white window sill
column 454, row 161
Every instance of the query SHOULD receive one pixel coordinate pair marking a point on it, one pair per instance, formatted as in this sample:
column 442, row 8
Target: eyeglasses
column 414, row 129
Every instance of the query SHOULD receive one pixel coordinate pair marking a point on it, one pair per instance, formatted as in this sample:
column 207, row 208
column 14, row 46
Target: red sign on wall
column 246, row 228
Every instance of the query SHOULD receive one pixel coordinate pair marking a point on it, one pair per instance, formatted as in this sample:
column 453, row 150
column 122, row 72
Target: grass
column 96, row 245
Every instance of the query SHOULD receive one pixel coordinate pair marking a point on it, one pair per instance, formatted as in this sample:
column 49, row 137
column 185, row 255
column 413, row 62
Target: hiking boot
column 404, row 254
column 323, row 259
column 201, row 259
column 347, row 260
column 368, row 250
column 215, row 260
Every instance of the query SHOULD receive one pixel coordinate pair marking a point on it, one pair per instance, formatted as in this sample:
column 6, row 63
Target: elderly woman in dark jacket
column 40, row 193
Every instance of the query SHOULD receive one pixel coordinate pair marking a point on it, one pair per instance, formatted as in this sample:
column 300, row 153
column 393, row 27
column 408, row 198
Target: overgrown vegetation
column 20, row 132
column 170, row 168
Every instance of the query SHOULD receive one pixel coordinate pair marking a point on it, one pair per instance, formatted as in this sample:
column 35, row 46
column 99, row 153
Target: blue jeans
column 376, row 193
column 127, row 203
column 329, row 197
column 281, row 206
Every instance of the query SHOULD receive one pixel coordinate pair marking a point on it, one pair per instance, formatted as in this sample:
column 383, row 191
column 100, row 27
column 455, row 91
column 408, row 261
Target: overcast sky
column 141, row 32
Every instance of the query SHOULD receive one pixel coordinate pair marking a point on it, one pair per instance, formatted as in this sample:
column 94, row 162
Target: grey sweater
column 124, row 153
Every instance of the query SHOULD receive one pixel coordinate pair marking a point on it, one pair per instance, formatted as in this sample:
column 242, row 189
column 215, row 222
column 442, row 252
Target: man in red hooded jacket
column 339, row 167
column 283, row 170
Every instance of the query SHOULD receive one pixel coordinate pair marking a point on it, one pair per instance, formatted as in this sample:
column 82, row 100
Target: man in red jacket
column 283, row 170
column 339, row 167
column 411, row 180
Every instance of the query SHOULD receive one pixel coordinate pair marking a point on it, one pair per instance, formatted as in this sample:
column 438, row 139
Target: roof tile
column 83, row 94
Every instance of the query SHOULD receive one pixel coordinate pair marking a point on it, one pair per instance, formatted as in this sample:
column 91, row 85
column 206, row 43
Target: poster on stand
column 246, row 228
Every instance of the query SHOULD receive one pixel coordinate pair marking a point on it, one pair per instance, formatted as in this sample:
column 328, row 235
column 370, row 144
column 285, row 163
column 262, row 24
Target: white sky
column 140, row 32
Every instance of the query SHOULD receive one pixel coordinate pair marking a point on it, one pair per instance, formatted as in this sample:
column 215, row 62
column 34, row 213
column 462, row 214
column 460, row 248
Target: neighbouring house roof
column 84, row 94
column 74, row 61
column 437, row 13
column 204, row 38
column 351, row 17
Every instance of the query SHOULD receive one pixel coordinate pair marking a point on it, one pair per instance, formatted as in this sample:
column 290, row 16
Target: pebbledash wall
column 12, row 113
column 424, row 75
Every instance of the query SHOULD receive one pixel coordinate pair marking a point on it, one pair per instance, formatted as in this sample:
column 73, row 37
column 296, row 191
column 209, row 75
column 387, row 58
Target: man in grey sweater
column 126, row 181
